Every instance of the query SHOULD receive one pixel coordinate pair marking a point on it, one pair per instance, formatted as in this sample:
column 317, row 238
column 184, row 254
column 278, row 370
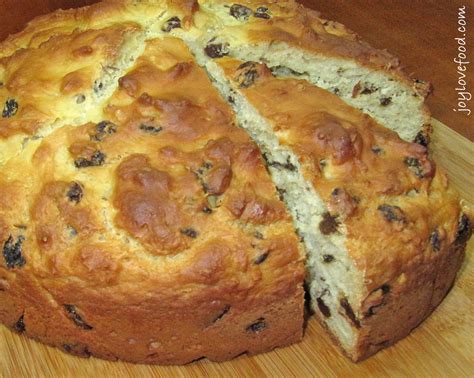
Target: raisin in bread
column 139, row 222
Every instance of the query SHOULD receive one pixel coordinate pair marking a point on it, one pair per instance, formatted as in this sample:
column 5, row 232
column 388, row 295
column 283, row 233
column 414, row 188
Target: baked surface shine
column 139, row 222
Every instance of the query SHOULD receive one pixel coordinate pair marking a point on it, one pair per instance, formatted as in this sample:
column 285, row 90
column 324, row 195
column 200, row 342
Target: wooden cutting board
column 441, row 347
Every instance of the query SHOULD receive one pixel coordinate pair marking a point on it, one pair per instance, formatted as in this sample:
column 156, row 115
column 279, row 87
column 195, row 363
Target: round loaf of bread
column 173, row 171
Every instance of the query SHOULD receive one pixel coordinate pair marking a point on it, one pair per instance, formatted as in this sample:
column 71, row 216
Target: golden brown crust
column 44, row 93
column 159, row 214
column 363, row 171
column 370, row 180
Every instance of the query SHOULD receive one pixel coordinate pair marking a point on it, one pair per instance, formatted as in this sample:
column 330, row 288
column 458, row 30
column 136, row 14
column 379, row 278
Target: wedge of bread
column 383, row 230
column 296, row 42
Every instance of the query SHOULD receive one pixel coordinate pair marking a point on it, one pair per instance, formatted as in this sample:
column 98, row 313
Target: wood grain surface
column 420, row 32
column 441, row 347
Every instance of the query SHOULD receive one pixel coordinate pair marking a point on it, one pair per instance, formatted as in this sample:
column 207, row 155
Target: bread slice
column 383, row 230
column 296, row 42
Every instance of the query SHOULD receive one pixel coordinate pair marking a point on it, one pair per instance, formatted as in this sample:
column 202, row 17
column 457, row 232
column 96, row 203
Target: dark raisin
column 323, row 308
column 78, row 350
column 247, row 74
column 369, row 90
column 224, row 311
column 260, row 259
column 98, row 86
column 10, row 108
column 231, row 100
column 150, row 129
column 275, row 164
column 217, row 50
column 96, row 160
column 349, row 312
column 19, row 326
column 75, row 192
column 328, row 258
column 435, row 241
column 76, row 318
column 240, row 12
column 258, row 235
column 265, row 16
column 12, row 252
column 207, row 210
column 385, row 289
column 103, row 129
column 287, row 166
column 80, row 98
column 322, row 164
column 464, row 230
column 384, row 101
column 328, row 225
column 392, row 213
column 257, row 326
column 172, row 23
column 262, row 12
column 189, row 232
column 414, row 165
column 422, row 139
column 377, row 150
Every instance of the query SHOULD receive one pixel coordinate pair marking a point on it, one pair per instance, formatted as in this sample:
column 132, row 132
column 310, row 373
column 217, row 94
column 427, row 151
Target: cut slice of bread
column 295, row 42
column 370, row 207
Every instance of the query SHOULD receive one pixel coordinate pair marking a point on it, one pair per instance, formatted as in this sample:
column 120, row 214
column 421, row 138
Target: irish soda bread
column 169, row 168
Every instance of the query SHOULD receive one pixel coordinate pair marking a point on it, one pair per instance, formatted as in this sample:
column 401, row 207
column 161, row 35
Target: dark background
column 420, row 32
